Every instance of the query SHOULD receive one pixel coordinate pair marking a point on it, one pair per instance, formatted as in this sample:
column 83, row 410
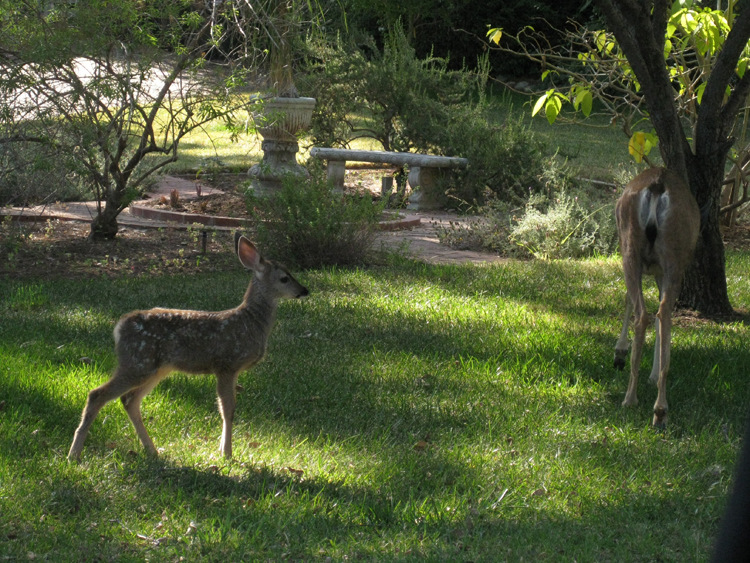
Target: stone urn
column 282, row 120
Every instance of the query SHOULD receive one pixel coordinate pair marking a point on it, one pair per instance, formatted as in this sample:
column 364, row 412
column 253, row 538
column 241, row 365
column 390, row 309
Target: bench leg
column 422, row 180
column 336, row 172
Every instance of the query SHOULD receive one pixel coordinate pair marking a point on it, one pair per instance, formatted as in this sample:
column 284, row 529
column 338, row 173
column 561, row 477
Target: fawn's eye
column 284, row 279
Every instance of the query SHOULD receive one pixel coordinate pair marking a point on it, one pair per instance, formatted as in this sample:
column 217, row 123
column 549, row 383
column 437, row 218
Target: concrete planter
column 283, row 119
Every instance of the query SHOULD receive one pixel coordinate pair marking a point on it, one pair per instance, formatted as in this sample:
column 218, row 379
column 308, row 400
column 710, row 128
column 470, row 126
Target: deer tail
column 653, row 209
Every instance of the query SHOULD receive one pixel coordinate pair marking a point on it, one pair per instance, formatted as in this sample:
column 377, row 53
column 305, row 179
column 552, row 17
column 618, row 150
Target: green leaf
column 552, row 108
column 742, row 67
column 540, row 102
column 600, row 37
column 699, row 92
column 585, row 101
column 667, row 48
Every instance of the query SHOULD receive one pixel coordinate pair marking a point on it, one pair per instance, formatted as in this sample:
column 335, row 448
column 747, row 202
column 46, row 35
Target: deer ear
column 248, row 254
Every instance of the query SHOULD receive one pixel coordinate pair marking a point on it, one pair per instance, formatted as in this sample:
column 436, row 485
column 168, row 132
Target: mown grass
column 404, row 412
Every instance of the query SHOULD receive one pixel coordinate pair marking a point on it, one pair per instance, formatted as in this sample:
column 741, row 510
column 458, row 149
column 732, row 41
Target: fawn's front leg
column 226, row 385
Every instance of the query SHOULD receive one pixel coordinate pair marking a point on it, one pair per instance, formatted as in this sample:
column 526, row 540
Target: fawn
column 658, row 221
column 151, row 344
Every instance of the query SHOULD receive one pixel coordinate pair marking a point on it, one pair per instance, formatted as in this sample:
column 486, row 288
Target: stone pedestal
column 282, row 120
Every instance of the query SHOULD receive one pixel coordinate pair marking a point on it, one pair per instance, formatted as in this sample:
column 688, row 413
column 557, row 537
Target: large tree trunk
column 705, row 285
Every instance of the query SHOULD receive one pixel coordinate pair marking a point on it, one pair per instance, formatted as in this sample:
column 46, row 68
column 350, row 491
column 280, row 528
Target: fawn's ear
column 248, row 254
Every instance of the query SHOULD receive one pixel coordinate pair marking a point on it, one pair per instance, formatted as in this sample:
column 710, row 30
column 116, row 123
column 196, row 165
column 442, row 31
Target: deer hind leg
column 97, row 398
column 621, row 347
column 654, row 377
column 664, row 343
column 131, row 402
column 226, row 385
column 633, row 271
column 639, row 334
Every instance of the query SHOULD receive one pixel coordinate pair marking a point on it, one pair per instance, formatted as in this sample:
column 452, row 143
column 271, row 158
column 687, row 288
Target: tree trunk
column 104, row 226
column 705, row 286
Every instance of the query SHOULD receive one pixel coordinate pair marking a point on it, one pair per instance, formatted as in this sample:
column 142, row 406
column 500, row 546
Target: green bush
column 307, row 225
column 32, row 173
column 488, row 231
column 506, row 161
column 385, row 94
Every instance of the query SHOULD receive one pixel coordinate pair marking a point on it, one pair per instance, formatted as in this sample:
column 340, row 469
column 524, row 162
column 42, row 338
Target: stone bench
column 424, row 169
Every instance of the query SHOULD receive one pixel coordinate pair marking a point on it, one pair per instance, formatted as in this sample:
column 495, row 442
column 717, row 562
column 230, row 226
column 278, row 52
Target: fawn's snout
column 287, row 286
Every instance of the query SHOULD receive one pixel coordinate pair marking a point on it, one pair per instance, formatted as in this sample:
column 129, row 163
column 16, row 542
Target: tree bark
column 105, row 226
column 704, row 288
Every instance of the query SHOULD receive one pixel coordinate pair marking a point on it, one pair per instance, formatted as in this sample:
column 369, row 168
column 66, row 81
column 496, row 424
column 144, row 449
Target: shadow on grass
column 343, row 390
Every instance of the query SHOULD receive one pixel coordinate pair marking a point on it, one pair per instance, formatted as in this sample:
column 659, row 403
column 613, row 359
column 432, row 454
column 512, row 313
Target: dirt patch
column 60, row 249
column 229, row 200
column 738, row 238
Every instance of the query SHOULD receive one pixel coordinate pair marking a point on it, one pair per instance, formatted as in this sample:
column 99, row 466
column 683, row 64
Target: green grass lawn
column 404, row 411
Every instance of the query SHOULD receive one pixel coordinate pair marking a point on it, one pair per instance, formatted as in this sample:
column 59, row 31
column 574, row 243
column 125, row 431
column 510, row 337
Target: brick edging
column 186, row 218
column 407, row 222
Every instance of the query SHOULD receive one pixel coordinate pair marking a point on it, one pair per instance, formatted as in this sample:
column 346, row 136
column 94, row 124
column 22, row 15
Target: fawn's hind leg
column 97, row 398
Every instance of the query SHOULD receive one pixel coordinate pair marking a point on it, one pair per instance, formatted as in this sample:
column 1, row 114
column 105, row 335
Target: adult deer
column 151, row 344
column 658, row 222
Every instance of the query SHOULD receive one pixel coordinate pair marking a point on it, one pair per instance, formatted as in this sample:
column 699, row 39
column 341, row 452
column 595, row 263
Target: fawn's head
column 271, row 275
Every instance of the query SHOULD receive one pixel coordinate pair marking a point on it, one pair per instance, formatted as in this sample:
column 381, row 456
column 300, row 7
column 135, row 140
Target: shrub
column 307, row 225
column 487, row 231
column 506, row 161
column 31, row 173
column 549, row 227
column 385, row 94
column 566, row 227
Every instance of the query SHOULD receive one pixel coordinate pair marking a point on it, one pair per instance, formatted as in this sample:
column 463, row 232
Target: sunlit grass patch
column 403, row 411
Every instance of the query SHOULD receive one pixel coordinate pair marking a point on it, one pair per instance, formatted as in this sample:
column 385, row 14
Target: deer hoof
column 620, row 356
column 660, row 418
column 630, row 402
